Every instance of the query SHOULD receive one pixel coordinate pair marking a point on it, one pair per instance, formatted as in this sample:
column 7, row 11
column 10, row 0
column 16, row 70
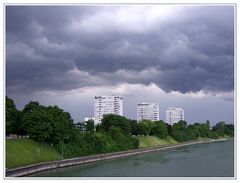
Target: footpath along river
column 199, row 160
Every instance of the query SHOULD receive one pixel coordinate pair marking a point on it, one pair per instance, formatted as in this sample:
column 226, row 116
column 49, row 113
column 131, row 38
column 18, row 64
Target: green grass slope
column 152, row 141
column 20, row 152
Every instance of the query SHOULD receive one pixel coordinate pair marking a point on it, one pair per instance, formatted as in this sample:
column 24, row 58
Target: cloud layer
column 183, row 49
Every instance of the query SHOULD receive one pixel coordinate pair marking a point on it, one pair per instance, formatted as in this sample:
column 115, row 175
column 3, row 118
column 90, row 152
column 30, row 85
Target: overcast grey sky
column 179, row 56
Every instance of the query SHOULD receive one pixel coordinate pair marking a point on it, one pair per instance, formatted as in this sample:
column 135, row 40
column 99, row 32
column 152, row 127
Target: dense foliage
column 159, row 129
column 89, row 126
column 145, row 127
column 46, row 124
column 181, row 132
column 90, row 142
column 54, row 126
column 87, row 143
column 120, row 122
column 12, row 117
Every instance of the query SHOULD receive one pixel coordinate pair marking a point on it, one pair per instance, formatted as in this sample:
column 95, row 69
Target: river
column 199, row 160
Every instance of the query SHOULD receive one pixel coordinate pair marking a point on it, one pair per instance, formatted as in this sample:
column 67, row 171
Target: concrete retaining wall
column 26, row 170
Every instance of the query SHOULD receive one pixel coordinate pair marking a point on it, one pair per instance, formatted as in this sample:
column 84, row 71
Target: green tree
column 123, row 142
column 145, row 127
column 47, row 124
column 229, row 130
column 192, row 132
column 182, row 125
column 77, row 147
column 38, row 125
column 89, row 125
column 97, row 143
column 160, row 129
column 134, row 127
column 179, row 131
column 20, row 128
column 204, row 130
column 219, row 128
column 169, row 128
column 99, row 128
column 118, row 121
column 11, row 116
column 31, row 106
column 62, row 124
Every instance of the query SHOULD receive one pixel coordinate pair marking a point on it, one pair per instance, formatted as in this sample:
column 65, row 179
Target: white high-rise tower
column 148, row 111
column 106, row 105
column 173, row 115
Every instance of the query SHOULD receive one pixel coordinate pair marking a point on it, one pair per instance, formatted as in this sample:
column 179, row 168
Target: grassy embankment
column 20, row 152
column 152, row 141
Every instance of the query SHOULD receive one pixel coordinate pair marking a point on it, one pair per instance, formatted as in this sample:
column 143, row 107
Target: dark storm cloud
column 63, row 48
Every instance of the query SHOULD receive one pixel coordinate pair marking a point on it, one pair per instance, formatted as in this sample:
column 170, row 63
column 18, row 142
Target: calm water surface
column 201, row 160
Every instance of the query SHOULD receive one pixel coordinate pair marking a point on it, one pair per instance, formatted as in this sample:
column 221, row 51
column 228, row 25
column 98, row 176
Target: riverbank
column 26, row 170
column 23, row 152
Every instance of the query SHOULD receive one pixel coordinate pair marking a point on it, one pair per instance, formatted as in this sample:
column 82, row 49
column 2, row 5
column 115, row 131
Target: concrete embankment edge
column 31, row 169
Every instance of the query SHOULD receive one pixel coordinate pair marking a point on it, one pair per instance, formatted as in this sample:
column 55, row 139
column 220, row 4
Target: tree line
column 54, row 126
